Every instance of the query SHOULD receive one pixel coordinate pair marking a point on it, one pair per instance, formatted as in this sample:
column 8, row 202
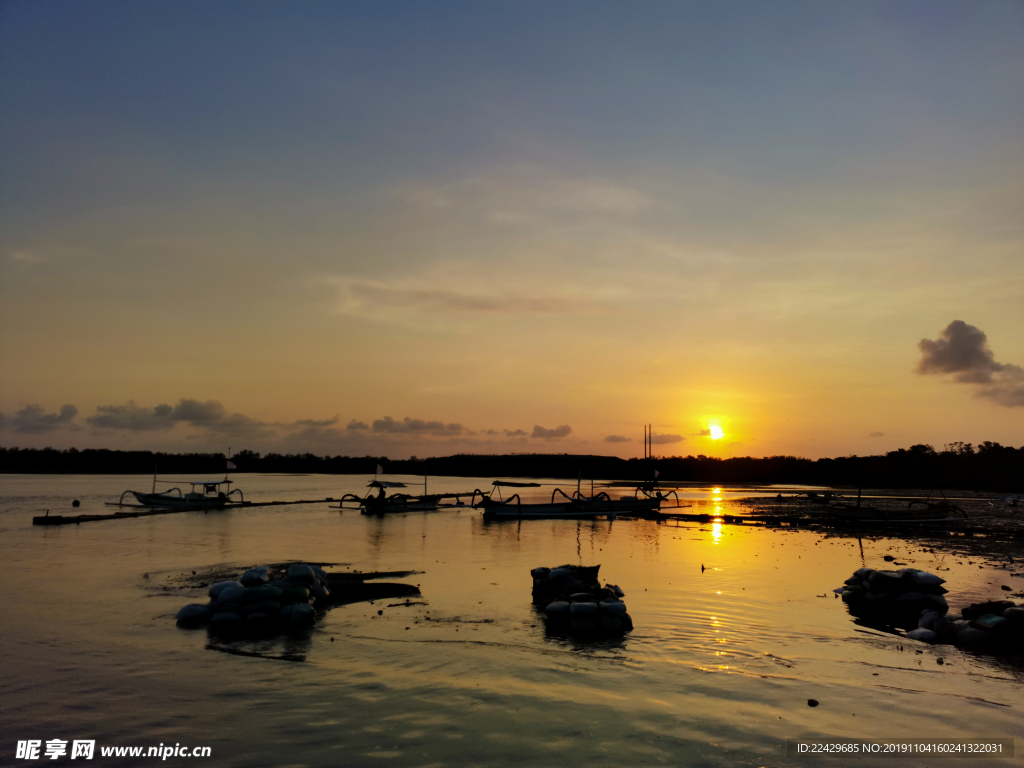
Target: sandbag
column 297, row 594
column 225, row 617
column 616, row 607
column 583, row 609
column 924, row 635
column 298, row 613
column 231, row 594
column 220, row 586
column 194, row 614
column 255, row 577
column 557, row 608
column 301, row 573
column 922, row 579
column 990, row 621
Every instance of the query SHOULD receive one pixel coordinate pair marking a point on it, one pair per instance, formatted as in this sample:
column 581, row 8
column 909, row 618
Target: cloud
column 557, row 432
column 666, row 439
column 702, row 433
column 877, row 434
column 357, row 425
column 210, row 415
column 315, row 422
column 32, row 420
column 528, row 195
column 963, row 351
column 131, row 417
column 23, row 258
column 358, row 297
column 617, row 439
column 416, row 426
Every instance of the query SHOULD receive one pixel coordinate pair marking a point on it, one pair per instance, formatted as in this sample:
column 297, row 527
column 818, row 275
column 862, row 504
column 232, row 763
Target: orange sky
column 345, row 231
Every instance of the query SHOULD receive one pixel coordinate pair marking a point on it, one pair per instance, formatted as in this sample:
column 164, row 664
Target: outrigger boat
column 513, row 508
column 205, row 494
column 918, row 511
column 397, row 502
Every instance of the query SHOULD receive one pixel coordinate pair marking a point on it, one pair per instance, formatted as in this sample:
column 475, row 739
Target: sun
column 715, row 432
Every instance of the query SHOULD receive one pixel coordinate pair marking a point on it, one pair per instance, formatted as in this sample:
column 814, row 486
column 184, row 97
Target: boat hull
column 542, row 511
column 184, row 502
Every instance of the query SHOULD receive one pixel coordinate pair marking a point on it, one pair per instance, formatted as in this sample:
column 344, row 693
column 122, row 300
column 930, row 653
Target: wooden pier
column 135, row 510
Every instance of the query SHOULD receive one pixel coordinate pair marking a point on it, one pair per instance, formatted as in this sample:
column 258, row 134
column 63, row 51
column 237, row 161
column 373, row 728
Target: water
column 717, row 672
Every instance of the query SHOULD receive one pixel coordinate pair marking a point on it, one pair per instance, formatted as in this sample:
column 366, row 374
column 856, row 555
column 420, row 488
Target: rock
column 863, row 573
column 812, row 702
column 615, row 590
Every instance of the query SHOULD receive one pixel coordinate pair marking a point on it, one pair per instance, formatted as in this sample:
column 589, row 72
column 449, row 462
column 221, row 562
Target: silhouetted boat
column 382, row 504
column 571, row 507
column 205, row 494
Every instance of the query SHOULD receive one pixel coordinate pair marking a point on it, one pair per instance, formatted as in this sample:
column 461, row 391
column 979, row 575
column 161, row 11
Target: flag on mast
column 231, row 464
column 380, row 470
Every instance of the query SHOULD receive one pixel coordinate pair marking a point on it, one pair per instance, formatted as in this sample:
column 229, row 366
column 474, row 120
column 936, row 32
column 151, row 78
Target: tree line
column 988, row 466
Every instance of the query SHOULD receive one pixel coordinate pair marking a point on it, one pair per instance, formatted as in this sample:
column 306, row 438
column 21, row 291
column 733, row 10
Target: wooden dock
column 135, row 510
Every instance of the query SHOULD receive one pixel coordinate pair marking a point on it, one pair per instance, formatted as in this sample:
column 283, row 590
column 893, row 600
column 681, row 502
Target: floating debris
column 573, row 599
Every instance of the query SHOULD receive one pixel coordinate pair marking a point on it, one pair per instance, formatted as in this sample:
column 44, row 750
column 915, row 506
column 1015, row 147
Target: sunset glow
column 356, row 231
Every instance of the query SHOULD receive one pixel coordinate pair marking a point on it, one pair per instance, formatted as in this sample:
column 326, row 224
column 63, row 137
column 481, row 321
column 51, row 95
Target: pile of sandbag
column 996, row 625
column 894, row 596
column 573, row 599
column 909, row 597
column 261, row 598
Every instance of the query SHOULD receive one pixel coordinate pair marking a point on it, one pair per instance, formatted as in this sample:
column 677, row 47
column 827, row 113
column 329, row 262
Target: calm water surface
column 717, row 672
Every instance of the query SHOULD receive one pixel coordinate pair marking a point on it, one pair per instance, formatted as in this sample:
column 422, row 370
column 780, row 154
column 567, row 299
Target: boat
column 382, row 503
column 205, row 494
column 513, row 508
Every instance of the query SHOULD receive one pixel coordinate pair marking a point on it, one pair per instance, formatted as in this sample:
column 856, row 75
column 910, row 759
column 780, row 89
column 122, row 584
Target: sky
column 425, row 228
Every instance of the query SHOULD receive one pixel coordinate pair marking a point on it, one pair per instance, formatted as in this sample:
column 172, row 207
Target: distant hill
column 989, row 466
